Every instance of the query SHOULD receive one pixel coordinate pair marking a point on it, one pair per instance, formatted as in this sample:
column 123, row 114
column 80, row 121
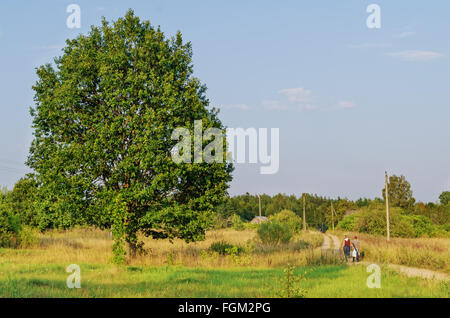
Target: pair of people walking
column 351, row 249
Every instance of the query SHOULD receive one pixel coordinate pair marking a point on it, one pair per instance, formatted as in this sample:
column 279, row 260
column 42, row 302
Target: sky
column 350, row 102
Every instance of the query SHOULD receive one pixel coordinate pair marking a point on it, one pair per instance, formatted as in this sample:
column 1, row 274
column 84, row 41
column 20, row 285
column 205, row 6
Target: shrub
column 9, row 228
column 422, row 225
column 237, row 223
column 274, row 233
column 347, row 223
column 289, row 218
column 291, row 284
column 372, row 220
column 401, row 227
column 225, row 248
column 28, row 237
column 219, row 222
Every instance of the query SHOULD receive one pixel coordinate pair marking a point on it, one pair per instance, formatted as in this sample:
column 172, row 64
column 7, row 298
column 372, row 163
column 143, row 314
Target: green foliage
column 22, row 200
column 317, row 208
column 422, row 225
column 224, row 248
column 289, row 218
column 237, row 223
column 347, row 223
column 444, row 198
column 9, row 227
column 291, row 284
column 273, row 233
column 439, row 214
column 103, row 122
column 28, row 237
column 400, row 193
column 219, row 222
column 372, row 220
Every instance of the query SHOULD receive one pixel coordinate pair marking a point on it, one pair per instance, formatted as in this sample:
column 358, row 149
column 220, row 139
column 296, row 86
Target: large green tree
column 103, row 119
column 400, row 193
column 444, row 198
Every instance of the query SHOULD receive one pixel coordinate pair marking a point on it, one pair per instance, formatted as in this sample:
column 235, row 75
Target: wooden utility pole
column 332, row 215
column 259, row 198
column 387, row 206
column 304, row 215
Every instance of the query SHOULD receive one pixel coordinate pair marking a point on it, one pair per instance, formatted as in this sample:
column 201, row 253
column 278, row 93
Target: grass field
column 190, row 270
column 178, row 281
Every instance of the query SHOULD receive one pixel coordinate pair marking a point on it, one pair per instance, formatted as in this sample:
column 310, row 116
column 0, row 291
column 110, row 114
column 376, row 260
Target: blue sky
column 350, row 102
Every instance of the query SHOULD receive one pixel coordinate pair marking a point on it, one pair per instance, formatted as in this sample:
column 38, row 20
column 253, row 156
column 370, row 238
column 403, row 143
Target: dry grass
column 93, row 246
column 189, row 270
column 429, row 253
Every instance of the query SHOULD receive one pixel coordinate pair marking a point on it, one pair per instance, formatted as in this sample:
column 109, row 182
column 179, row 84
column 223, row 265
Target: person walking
column 346, row 247
column 356, row 248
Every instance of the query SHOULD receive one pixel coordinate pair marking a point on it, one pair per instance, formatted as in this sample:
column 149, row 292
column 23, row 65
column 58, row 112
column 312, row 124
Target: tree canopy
column 103, row 119
column 444, row 198
column 400, row 193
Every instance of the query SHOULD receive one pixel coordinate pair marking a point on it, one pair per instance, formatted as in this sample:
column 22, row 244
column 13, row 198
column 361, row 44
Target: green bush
column 347, row 223
column 372, row 220
column 237, row 223
column 289, row 218
column 219, row 222
column 225, row 248
column 274, row 233
column 401, row 226
column 28, row 237
column 9, row 228
column 422, row 225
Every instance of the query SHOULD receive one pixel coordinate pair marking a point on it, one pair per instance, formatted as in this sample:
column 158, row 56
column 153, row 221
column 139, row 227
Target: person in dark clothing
column 346, row 247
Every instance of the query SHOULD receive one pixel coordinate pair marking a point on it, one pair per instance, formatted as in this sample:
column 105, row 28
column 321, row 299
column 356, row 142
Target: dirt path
column 419, row 272
column 326, row 245
column 408, row 271
column 336, row 242
column 330, row 242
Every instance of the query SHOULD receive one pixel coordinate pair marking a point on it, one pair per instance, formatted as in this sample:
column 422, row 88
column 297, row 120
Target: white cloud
column 416, row 55
column 346, row 104
column 274, row 105
column 297, row 95
column 297, row 98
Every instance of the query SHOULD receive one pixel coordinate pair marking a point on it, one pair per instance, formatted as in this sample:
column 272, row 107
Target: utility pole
column 332, row 215
column 387, row 206
column 259, row 198
column 304, row 215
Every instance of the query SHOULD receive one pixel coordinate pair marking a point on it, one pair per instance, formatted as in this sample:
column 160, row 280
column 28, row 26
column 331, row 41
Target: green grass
column 49, row 280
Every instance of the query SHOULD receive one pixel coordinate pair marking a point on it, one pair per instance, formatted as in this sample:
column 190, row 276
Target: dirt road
column 333, row 242
column 330, row 242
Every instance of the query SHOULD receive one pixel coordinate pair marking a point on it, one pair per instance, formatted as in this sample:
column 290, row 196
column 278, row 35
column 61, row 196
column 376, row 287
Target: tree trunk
column 132, row 245
column 132, row 249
